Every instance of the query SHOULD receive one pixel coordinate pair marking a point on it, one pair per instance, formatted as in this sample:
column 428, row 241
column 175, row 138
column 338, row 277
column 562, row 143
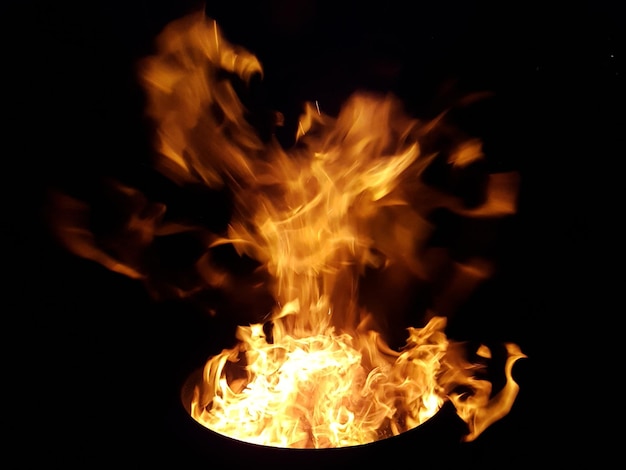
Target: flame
column 349, row 197
column 326, row 390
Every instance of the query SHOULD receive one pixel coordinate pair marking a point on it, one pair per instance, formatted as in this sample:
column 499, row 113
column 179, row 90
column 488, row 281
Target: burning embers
column 350, row 197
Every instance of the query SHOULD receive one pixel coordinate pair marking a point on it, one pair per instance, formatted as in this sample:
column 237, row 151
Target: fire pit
column 316, row 373
column 359, row 192
column 439, row 435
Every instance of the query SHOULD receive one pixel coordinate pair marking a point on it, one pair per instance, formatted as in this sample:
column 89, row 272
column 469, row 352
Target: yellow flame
column 324, row 390
column 349, row 196
column 311, row 217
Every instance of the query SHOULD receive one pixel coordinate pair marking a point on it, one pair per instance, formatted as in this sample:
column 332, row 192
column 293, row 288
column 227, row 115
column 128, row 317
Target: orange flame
column 350, row 196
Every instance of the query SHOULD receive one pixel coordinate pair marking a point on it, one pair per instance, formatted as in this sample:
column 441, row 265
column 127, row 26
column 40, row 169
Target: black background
column 98, row 363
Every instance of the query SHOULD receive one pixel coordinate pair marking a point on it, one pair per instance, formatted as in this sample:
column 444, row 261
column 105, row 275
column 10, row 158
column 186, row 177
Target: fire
column 326, row 390
column 348, row 197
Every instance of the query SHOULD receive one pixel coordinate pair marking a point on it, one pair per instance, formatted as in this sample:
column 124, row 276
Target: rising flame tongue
column 347, row 197
column 312, row 386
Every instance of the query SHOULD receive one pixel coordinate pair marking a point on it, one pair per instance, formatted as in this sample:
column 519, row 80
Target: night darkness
column 98, row 362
